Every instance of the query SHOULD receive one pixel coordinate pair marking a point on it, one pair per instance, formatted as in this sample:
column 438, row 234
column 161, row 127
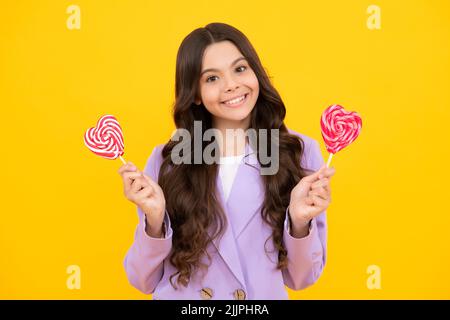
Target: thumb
column 131, row 166
column 305, row 183
column 153, row 183
column 316, row 175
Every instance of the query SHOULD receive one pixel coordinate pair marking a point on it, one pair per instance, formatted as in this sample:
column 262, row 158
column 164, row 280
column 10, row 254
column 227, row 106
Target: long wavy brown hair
column 190, row 189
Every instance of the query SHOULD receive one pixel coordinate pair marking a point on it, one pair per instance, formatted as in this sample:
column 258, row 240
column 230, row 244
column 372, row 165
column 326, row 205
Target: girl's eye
column 209, row 79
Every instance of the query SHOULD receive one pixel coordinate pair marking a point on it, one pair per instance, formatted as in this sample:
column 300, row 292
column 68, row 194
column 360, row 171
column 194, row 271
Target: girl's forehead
column 221, row 57
column 221, row 50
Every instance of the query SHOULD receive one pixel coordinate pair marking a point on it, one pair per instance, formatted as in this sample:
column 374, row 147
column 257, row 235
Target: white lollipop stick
column 123, row 161
column 329, row 160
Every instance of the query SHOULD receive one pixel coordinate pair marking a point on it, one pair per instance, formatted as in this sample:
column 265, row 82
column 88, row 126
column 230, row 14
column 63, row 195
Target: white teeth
column 237, row 100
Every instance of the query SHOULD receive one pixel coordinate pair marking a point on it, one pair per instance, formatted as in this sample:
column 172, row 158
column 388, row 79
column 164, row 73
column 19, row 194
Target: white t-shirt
column 228, row 167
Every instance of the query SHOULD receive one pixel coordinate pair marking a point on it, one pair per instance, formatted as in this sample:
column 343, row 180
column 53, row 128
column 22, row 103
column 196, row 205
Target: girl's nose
column 231, row 84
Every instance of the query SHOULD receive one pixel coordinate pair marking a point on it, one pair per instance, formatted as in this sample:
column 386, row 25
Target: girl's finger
column 327, row 173
column 320, row 203
column 128, row 178
column 325, row 186
column 314, row 176
column 138, row 184
column 144, row 193
column 320, row 183
column 131, row 175
column 127, row 167
column 320, row 192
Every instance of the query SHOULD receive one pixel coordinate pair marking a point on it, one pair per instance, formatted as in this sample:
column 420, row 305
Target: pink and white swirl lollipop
column 339, row 128
column 106, row 138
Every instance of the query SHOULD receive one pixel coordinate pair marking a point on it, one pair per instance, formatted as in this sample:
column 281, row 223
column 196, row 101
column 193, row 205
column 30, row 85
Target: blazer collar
column 250, row 157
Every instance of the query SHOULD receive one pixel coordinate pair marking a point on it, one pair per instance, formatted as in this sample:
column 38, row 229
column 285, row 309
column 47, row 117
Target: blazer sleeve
column 144, row 261
column 307, row 255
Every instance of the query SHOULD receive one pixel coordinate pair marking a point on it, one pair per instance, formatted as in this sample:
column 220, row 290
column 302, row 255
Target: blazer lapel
column 245, row 200
column 227, row 244
column 247, row 193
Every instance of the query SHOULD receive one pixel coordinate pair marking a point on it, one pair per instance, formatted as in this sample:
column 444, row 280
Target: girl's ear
column 198, row 102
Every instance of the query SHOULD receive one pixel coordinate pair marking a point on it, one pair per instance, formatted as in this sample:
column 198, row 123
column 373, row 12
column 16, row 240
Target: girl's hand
column 311, row 196
column 145, row 193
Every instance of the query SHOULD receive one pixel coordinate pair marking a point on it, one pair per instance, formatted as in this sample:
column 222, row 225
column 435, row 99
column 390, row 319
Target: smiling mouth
column 237, row 101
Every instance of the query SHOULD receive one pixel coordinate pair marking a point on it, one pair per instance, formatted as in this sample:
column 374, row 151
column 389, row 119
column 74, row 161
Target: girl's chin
column 242, row 111
column 234, row 117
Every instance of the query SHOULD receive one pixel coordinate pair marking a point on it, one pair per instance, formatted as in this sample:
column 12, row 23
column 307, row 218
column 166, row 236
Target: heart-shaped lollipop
column 106, row 138
column 339, row 128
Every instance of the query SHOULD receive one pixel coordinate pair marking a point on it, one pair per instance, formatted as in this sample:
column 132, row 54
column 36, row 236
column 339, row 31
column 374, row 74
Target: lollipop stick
column 329, row 160
column 123, row 161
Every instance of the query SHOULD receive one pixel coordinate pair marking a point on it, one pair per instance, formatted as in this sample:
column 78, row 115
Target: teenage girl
column 224, row 230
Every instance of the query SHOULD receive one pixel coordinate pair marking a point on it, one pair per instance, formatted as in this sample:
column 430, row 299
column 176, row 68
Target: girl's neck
column 234, row 144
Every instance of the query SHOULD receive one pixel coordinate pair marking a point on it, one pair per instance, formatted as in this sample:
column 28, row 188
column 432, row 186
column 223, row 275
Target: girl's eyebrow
column 232, row 64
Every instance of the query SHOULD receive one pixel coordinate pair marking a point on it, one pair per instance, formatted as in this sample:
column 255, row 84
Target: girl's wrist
column 298, row 221
column 155, row 229
column 299, row 226
column 300, row 230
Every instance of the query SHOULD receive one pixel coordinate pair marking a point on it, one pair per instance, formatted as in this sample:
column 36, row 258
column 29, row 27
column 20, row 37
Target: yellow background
column 61, row 205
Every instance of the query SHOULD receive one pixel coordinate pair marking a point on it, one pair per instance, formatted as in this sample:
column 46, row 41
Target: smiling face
column 228, row 86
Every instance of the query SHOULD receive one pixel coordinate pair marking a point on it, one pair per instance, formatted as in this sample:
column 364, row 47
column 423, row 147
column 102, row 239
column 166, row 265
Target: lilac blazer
column 240, row 268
